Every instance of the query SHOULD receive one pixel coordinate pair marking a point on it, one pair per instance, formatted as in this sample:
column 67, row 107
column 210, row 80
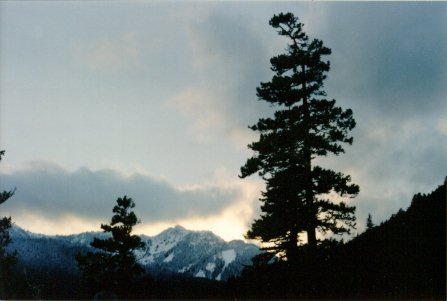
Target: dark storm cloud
column 389, row 65
column 51, row 191
column 389, row 57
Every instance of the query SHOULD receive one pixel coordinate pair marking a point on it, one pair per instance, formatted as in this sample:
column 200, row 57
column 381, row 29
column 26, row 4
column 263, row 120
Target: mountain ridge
column 176, row 250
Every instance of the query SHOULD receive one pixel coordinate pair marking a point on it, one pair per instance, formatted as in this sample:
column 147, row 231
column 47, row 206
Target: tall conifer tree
column 305, row 125
column 369, row 222
column 113, row 265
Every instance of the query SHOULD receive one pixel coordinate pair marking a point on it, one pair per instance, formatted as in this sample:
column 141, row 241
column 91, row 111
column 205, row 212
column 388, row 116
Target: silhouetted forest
column 402, row 258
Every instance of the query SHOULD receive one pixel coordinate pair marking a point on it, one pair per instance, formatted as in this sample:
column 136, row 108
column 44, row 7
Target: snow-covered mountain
column 175, row 250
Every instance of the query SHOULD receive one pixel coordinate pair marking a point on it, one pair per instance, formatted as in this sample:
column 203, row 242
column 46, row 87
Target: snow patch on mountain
column 185, row 268
column 228, row 256
column 211, row 266
column 169, row 258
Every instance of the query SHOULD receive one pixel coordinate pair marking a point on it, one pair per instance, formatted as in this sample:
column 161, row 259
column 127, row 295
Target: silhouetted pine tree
column 113, row 266
column 305, row 126
column 369, row 222
column 7, row 261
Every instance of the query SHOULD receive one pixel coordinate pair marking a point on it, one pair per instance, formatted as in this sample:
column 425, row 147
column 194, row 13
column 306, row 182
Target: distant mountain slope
column 175, row 250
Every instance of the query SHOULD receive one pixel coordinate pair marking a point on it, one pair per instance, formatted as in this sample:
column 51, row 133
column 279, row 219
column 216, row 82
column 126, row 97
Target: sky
column 153, row 100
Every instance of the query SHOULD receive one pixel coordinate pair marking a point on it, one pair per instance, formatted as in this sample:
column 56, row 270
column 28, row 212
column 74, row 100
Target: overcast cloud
column 147, row 98
column 50, row 191
column 392, row 67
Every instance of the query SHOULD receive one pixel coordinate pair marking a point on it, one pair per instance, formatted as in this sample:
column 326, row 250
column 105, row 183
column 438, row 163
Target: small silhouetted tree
column 305, row 126
column 113, row 266
column 369, row 222
column 7, row 260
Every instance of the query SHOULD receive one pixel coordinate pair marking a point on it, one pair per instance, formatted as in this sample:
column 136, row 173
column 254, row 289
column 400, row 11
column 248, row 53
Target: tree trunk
column 311, row 236
column 292, row 250
column 312, row 239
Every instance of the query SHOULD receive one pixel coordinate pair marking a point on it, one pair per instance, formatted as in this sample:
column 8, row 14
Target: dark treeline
column 402, row 258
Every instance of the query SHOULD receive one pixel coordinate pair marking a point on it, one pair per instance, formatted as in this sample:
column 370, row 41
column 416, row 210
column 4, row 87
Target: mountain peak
column 177, row 229
column 18, row 232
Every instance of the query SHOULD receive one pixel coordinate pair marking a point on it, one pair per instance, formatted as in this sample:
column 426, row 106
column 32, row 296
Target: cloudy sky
column 153, row 99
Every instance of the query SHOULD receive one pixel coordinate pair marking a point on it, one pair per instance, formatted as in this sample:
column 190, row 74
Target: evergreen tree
column 369, row 222
column 305, row 126
column 113, row 266
column 7, row 261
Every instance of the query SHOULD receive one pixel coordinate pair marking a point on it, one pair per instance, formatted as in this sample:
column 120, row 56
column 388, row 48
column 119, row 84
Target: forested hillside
column 403, row 257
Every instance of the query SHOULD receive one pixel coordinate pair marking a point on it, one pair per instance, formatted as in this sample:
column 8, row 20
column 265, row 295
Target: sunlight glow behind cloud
column 55, row 200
